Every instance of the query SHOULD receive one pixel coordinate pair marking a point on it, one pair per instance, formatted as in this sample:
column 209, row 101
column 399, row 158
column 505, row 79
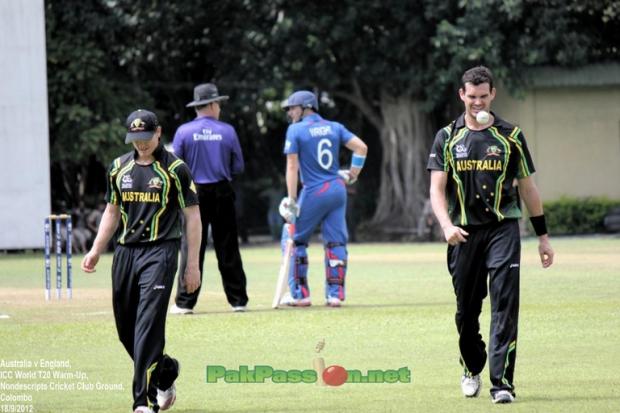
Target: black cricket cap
column 141, row 126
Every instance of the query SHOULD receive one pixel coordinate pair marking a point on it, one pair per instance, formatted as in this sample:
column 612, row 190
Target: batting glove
column 345, row 174
column 289, row 209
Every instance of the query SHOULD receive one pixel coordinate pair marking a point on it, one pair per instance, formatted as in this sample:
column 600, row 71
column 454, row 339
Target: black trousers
column 217, row 208
column 142, row 280
column 494, row 251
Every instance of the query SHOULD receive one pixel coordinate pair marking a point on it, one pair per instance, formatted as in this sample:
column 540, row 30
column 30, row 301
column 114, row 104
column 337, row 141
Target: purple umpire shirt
column 210, row 148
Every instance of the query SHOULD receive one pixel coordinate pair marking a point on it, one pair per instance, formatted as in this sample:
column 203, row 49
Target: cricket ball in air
column 482, row 117
column 335, row 375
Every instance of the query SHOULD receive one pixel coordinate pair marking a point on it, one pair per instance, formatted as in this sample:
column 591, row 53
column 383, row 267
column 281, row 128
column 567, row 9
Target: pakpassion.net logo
column 333, row 375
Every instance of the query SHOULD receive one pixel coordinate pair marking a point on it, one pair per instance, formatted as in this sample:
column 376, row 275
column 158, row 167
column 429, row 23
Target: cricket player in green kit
column 474, row 163
column 148, row 188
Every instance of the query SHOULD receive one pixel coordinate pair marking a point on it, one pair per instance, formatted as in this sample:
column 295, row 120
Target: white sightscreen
column 24, row 160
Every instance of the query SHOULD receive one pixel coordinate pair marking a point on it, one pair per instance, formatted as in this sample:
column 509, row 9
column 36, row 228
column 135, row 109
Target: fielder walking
column 147, row 190
column 474, row 162
column 211, row 149
column 312, row 149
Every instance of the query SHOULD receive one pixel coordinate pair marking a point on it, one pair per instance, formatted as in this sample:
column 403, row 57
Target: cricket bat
column 287, row 257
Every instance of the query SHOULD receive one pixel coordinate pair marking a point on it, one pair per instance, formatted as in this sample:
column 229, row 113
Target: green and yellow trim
column 177, row 181
column 149, row 373
column 511, row 348
column 119, row 178
column 159, row 170
column 500, row 181
column 114, row 191
column 524, row 169
column 460, row 189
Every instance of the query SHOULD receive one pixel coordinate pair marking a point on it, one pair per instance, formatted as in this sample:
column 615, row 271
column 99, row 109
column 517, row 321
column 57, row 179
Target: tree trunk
column 406, row 136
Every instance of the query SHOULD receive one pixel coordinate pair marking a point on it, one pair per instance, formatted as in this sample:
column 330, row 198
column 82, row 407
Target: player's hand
column 192, row 278
column 89, row 262
column 545, row 251
column 289, row 209
column 348, row 178
column 454, row 235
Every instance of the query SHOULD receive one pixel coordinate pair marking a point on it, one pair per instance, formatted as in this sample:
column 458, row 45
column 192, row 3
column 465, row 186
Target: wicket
column 47, row 227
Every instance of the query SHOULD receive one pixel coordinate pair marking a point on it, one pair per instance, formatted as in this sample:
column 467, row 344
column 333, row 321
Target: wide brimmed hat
column 204, row 94
column 141, row 126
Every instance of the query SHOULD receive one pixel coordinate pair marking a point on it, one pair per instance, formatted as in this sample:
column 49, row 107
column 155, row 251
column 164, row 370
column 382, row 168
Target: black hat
column 141, row 126
column 205, row 94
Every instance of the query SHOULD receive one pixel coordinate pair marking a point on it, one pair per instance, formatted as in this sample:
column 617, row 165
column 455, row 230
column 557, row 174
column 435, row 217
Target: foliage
column 108, row 57
column 392, row 58
column 510, row 36
column 578, row 215
column 89, row 94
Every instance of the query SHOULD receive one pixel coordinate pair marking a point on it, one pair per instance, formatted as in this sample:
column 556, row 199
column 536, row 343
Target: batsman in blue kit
column 312, row 150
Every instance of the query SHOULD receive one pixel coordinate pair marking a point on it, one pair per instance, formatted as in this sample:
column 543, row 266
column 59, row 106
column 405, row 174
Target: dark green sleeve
column 113, row 194
column 184, row 183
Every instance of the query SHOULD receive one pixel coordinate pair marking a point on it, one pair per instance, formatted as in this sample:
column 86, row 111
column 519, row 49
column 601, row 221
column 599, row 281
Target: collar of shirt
column 314, row 117
column 460, row 121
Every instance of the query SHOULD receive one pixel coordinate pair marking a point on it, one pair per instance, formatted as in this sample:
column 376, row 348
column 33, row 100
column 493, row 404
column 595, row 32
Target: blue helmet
column 302, row 98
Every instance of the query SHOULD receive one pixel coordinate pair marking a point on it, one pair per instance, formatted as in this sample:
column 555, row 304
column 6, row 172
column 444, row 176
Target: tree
column 398, row 62
column 89, row 93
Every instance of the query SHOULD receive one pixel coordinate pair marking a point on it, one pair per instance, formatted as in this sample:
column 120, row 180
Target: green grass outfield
column 399, row 313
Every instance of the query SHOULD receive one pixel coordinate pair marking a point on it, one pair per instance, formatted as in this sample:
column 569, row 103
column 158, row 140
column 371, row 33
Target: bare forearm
column 440, row 206
column 532, row 200
column 438, row 198
column 193, row 231
column 359, row 148
column 531, row 196
column 291, row 181
column 453, row 234
column 107, row 227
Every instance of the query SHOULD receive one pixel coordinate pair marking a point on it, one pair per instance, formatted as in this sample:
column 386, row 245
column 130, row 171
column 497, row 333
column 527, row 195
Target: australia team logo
column 494, row 150
column 137, row 125
column 155, row 183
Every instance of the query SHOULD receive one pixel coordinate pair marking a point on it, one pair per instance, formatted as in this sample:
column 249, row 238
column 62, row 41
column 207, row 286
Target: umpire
column 474, row 162
column 211, row 149
column 147, row 189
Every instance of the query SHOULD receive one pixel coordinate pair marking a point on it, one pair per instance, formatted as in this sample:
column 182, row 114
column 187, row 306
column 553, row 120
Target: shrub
column 577, row 215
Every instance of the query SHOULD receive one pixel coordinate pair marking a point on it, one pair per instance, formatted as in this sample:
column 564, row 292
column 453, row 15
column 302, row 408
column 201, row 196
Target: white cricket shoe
column 288, row 299
column 471, row 385
column 142, row 409
column 240, row 308
column 333, row 302
column 502, row 396
column 166, row 398
column 180, row 310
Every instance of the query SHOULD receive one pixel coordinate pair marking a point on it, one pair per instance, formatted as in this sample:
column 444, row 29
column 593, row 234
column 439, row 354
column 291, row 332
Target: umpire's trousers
column 217, row 208
column 494, row 250
column 142, row 280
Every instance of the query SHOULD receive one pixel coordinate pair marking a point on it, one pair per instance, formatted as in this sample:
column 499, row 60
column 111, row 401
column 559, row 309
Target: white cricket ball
column 482, row 117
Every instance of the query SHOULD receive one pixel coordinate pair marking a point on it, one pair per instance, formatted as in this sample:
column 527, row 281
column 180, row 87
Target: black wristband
column 540, row 225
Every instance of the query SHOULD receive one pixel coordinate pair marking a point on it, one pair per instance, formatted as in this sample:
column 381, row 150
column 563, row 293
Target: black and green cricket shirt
column 151, row 197
column 481, row 167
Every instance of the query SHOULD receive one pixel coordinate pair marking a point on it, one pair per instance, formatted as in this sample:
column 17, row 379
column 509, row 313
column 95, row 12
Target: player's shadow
column 391, row 305
column 321, row 307
column 248, row 410
column 575, row 398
